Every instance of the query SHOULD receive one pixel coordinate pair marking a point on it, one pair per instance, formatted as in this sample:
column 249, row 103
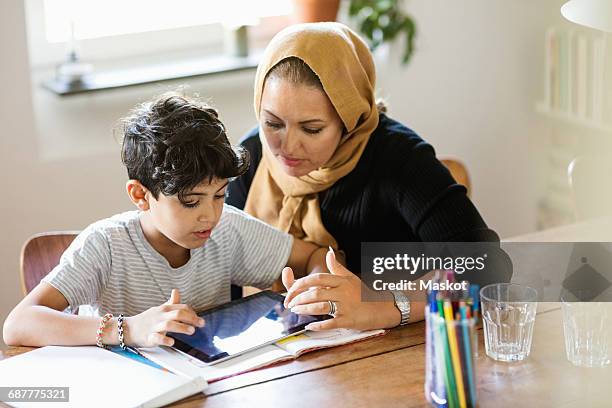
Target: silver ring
column 333, row 308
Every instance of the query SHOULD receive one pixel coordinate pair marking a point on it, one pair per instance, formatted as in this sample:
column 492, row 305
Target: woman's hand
column 149, row 328
column 310, row 295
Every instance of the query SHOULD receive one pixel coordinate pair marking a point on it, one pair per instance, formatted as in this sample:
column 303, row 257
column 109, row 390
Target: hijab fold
column 345, row 68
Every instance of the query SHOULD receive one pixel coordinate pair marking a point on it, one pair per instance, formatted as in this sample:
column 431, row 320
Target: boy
column 183, row 242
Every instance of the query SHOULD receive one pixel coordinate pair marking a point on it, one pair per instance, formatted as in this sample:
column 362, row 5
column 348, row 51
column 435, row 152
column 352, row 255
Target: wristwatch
column 403, row 305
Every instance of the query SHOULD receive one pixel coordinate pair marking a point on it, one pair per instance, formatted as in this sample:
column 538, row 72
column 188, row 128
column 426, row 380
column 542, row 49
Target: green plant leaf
column 410, row 29
column 382, row 21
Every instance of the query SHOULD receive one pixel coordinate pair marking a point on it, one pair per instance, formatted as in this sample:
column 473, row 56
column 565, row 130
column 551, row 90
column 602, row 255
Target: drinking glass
column 587, row 328
column 508, row 314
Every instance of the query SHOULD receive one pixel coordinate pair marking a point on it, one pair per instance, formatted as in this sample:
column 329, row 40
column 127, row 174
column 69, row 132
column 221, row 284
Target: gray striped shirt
column 113, row 268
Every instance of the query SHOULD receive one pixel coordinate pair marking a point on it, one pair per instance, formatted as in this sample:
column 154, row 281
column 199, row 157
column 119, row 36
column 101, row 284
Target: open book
column 94, row 377
column 287, row 349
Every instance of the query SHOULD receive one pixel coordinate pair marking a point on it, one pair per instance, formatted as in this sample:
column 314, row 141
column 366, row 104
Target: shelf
column 146, row 74
column 572, row 119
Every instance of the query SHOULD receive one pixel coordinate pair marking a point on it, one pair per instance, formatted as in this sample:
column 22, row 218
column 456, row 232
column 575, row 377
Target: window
column 115, row 29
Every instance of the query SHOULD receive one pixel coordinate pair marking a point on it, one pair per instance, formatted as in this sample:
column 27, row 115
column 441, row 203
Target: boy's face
column 187, row 225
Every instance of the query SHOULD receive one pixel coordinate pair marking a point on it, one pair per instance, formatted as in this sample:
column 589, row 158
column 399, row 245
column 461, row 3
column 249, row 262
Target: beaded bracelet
column 120, row 331
column 100, row 330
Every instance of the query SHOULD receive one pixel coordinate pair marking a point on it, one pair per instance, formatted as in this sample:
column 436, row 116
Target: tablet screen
column 244, row 324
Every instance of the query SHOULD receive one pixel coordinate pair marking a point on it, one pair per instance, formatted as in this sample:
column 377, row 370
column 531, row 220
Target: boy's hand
column 149, row 328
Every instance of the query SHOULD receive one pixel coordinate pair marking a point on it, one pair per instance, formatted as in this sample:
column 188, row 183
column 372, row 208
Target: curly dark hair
column 172, row 144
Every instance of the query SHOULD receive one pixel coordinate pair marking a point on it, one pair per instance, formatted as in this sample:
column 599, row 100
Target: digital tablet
column 242, row 325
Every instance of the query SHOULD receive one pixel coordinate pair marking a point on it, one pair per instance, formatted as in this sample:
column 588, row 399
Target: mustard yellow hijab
column 345, row 68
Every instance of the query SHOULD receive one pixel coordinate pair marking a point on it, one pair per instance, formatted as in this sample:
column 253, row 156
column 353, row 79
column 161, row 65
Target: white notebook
column 96, row 378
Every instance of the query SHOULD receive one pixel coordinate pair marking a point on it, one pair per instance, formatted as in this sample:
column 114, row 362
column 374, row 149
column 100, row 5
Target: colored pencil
column 454, row 351
column 468, row 352
column 451, row 391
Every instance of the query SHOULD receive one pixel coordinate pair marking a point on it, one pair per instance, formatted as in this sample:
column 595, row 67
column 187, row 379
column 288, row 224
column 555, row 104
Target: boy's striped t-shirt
column 112, row 267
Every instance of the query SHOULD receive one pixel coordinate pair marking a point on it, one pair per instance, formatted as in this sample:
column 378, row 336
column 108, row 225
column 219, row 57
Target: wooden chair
column 40, row 254
column 458, row 171
column 590, row 180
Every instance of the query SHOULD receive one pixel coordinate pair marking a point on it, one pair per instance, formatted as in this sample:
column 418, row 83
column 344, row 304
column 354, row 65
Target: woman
column 329, row 167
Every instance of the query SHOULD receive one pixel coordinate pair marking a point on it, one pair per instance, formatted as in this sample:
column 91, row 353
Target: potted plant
column 382, row 21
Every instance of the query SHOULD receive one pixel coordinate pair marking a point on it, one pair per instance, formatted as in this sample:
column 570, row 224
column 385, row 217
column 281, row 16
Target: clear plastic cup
column 450, row 366
column 508, row 315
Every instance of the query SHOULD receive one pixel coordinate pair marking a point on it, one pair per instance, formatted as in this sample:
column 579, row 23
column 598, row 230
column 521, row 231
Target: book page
column 309, row 340
column 191, row 366
column 89, row 371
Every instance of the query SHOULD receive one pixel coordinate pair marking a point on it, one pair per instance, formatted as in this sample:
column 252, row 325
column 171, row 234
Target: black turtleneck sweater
column 398, row 191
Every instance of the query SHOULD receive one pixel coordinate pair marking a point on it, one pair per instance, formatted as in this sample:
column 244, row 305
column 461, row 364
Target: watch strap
column 403, row 305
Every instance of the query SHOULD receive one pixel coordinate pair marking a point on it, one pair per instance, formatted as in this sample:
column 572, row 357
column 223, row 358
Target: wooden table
column 389, row 371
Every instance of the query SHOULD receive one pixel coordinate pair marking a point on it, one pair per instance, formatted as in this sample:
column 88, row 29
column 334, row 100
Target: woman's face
column 300, row 125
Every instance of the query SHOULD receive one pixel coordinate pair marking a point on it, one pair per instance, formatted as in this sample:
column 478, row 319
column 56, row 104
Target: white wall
column 470, row 91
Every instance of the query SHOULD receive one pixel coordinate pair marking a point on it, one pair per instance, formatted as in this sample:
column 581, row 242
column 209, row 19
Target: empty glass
column 587, row 327
column 508, row 314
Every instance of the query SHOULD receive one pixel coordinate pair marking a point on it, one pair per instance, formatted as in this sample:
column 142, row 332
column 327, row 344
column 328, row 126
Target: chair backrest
column 40, row 254
column 458, row 171
column 590, row 180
